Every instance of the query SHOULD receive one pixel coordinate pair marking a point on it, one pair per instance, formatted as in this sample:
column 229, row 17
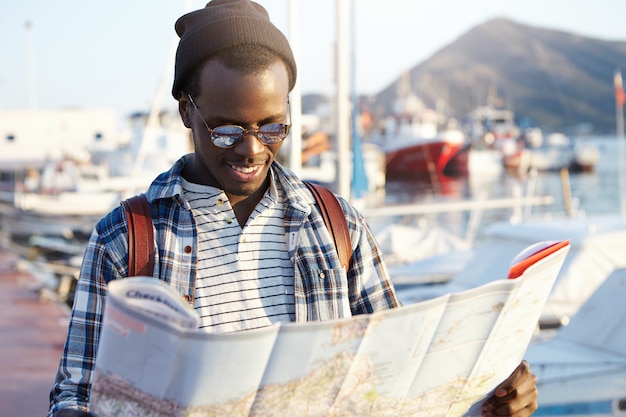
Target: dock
column 32, row 334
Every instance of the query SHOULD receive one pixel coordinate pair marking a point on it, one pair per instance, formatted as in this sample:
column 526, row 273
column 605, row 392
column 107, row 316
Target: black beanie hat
column 223, row 24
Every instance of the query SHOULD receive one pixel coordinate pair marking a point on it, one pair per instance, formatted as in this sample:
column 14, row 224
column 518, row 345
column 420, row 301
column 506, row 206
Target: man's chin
column 241, row 191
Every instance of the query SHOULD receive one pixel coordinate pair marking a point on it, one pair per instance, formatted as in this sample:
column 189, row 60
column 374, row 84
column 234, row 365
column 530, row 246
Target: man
column 238, row 235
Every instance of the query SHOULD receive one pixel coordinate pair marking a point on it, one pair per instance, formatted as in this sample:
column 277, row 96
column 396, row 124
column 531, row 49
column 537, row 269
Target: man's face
column 228, row 97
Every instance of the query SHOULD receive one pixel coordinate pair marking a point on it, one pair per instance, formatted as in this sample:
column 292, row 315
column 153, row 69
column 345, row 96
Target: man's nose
column 250, row 145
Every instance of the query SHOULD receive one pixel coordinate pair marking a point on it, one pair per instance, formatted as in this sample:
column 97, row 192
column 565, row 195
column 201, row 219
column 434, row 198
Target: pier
column 32, row 334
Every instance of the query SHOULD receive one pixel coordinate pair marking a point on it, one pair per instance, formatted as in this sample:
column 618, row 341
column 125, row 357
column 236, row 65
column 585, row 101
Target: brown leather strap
column 335, row 221
column 140, row 236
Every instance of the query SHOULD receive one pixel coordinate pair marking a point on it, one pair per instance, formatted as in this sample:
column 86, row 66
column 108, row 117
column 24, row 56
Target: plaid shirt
column 323, row 290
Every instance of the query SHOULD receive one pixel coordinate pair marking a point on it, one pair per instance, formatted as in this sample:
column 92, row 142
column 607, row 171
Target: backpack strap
column 140, row 236
column 335, row 221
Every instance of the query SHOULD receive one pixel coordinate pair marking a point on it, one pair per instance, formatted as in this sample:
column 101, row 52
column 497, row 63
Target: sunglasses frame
column 217, row 138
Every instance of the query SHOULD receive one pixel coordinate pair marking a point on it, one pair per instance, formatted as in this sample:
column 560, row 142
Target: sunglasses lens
column 226, row 136
column 273, row 133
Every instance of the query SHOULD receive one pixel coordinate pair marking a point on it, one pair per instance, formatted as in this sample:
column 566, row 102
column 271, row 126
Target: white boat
column 586, row 156
column 476, row 160
column 410, row 251
column 492, row 124
column 555, row 152
column 597, row 247
column 21, row 225
column 67, row 203
column 581, row 371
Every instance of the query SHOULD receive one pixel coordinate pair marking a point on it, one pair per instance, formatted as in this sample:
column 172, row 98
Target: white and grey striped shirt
column 244, row 277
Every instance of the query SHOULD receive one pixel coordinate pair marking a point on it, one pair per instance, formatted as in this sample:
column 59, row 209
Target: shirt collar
column 170, row 183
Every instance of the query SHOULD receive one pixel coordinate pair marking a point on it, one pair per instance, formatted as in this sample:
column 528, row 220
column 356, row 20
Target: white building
column 30, row 137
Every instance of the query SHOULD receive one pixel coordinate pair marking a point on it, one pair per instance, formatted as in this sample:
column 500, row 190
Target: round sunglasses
column 227, row 136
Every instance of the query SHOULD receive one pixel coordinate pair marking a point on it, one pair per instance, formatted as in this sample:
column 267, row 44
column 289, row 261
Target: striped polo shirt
column 245, row 279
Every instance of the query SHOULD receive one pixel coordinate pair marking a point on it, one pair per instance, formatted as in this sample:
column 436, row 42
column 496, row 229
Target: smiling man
column 238, row 235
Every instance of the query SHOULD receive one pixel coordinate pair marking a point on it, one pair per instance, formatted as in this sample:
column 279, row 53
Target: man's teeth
column 245, row 170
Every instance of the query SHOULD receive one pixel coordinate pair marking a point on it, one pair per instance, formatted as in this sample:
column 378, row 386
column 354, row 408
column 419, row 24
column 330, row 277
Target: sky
column 117, row 54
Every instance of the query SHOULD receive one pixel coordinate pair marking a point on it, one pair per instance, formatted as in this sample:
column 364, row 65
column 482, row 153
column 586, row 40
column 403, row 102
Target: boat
column 66, row 214
column 491, row 135
column 554, row 152
column 65, row 198
column 418, row 142
column 403, row 246
column 597, row 247
column 422, row 156
column 19, row 225
column 586, row 156
column 581, row 369
column 497, row 123
column 477, row 160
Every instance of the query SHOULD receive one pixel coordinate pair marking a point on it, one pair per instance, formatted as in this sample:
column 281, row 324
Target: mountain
column 556, row 79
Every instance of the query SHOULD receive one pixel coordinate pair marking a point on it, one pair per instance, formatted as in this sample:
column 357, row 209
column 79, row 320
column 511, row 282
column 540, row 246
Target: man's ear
column 184, row 108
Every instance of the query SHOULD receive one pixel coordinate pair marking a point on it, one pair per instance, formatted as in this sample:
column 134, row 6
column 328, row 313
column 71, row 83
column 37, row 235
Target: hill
column 557, row 79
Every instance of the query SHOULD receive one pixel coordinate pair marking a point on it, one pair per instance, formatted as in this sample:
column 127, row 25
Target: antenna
column 32, row 77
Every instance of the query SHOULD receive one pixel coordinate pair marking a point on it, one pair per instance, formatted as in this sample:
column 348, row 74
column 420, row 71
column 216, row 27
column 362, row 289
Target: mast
column 343, row 103
column 32, row 77
column 359, row 185
column 619, row 117
column 295, row 98
column 152, row 125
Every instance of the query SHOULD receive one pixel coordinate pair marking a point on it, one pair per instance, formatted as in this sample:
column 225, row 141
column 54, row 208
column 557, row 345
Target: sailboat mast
column 153, row 122
column 621, row 155
column 32, row 76
column 343, row 101
column 295, row 98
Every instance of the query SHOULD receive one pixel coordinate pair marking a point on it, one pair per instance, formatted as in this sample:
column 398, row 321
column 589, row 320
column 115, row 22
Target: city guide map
column 440, row 357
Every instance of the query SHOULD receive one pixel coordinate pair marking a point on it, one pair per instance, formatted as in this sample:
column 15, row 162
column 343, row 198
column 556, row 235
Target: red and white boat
column 412, row 139
column 422, row 156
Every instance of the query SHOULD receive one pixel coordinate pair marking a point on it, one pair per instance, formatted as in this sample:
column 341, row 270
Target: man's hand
column 516, row 396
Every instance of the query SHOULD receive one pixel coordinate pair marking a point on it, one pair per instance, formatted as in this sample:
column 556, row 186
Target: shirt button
column 220, row 202
column 322, row 275
column 229, row 221
column 187, row 249
column 187, row 298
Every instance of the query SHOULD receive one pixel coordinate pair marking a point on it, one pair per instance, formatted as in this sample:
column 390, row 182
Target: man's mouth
column 244, row 170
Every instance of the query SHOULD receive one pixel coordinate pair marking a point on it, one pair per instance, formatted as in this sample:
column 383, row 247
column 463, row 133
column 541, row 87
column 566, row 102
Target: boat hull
column 422, row 159
column 475, row 161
